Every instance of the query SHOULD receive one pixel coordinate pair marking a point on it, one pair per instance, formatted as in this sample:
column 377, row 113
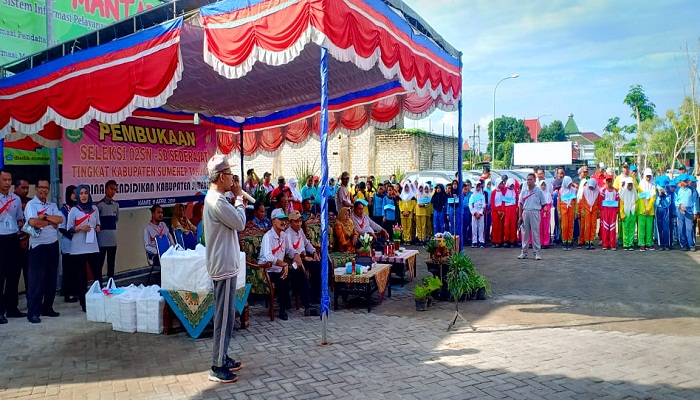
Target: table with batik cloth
column 376, row 280
column 196, row 309
column 402, row 261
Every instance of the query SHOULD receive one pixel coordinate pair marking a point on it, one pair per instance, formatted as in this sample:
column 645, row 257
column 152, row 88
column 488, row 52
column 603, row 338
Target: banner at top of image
column 153, row 162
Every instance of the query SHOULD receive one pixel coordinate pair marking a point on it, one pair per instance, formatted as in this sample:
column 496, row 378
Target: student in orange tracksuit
column 510, row 220
column 567, row 210
column 497, row 215
column 590, row 208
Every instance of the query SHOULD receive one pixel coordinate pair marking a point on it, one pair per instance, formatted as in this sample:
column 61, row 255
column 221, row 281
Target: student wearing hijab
column 610, row 208
column 497, row 216
column 429, row 212
column 439, row 202
column 84, row 223
column 477, row 207
column 510, row 219
column 663, row 205
column 295, row 200
column 628, row 206
column 345, row 233
column 71, row 277
column 422, row 200
column 407, row 207
column 486, row 186
column 645, row 212
column 589, row 206
column 466, row 215
column 567, row 211
column 546, row 215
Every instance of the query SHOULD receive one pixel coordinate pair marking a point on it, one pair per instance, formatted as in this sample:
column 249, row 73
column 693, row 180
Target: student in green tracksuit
column 645, row 211
column 628, row 206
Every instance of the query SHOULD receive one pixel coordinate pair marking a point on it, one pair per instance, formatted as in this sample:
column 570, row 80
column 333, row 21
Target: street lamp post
column 537, row 135
column 493, row 122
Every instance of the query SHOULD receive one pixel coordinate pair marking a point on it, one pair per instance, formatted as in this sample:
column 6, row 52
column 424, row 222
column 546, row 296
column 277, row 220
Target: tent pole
column 460, row 210
column 2, row 153
column 53, row 153
column 325, row 298
column 243, row 177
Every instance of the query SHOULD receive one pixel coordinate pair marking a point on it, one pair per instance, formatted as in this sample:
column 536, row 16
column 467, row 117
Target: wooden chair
column 250, row 240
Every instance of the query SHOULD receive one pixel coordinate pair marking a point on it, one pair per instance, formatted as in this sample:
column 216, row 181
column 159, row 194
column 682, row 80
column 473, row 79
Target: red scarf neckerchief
column 87, row 216
column 362, row 222
column 42, row 212
column 279, row 246
column 6, row 206
column 161, row 229
column 296, row 245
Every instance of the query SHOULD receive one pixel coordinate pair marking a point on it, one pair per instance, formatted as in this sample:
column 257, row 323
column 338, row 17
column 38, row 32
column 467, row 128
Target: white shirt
column 272, row 249
column 298, row 243
column 532, row 199
column 48, row 234
column 11, row 206
column 79, row 243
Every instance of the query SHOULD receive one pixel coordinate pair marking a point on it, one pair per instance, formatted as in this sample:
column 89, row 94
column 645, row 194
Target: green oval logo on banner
column 74, row 135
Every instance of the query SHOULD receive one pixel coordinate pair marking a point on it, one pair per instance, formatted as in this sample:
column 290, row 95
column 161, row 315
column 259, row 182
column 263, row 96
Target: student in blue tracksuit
column 673, row 215
column 663, row 210
column 378, row 203
column 391, row 209
column 686, row 199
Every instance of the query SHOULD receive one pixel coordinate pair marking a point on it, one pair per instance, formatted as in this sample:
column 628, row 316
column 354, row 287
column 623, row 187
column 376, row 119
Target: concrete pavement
column 581, row 324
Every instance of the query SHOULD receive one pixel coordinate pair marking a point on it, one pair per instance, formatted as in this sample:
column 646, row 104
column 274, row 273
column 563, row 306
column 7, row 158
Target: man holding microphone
column 221, row 220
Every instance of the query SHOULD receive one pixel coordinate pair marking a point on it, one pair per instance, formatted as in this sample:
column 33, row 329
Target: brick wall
column 373, row 152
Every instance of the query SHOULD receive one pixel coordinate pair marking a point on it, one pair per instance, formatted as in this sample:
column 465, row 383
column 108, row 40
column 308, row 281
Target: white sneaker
column 537, row 257
column 522, row 255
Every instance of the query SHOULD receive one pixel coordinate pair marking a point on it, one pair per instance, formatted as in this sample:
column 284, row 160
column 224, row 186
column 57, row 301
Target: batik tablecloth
column 196, row 309
column 406, row 257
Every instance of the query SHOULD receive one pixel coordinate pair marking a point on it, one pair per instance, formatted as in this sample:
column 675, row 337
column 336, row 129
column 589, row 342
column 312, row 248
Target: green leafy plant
column 478, row 281
column 432, row 283
column 421, row 292
column 261, row 196
column 458, row 275
column 304, row 170
column 399, row 174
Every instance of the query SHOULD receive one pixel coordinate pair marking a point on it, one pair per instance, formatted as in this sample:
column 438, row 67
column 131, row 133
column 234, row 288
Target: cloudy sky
column 577, row 57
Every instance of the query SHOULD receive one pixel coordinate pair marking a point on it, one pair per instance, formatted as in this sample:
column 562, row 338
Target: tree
column 682, row 127
column 509, row 130
column 607, row 148
column 553, row 132
column 642, row 110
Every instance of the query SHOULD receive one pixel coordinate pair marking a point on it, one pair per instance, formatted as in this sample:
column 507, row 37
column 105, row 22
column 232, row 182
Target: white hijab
column 581, row 186
column 566, row 189
column 647, row 186
column 547, row 191
column 628, row 197
column 296, row 196
column 510, row 192
column 591, row 192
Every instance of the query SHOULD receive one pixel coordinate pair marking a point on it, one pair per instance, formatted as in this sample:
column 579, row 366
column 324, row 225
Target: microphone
column 248, row 197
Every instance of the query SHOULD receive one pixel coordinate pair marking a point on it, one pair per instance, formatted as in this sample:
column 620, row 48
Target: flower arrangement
column 365, row 242
column 398, row 232
column 439, row 247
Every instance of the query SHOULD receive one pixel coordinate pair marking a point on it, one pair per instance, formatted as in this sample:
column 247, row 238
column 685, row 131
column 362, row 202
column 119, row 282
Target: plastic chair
column 178, row 237
column 189, row 240
column 200, row 233
column 162, row 245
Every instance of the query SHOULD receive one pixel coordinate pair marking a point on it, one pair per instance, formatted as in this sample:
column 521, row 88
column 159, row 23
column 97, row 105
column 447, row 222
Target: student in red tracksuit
column 510, row 221
column 610, row 207
column 497, row 215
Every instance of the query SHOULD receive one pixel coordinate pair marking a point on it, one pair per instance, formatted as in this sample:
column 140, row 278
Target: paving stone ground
column 581, row 324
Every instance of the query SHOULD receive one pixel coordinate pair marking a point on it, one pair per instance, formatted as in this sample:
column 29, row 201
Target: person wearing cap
column 361, row 194
column 477, row 207
column 273, row 248
column 610, row 208
column 343, row 198
column 624, row 174
column 304, row 256
column 266, row 184
column 634, row 174
column 363, row 224
column 645, row 211
column 311, row 192
column 497, row 215
column 673, row 229
column 628, row 211
column 530, row 204
column 663, row 206
column 221, row 221
column 686, row 212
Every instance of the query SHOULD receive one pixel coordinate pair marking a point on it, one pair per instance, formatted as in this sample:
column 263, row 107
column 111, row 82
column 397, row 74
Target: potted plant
column 365, row 245
column 398, row 234
column 479, row 285
column 459, row 275
column 433, row 283
column 421, row 292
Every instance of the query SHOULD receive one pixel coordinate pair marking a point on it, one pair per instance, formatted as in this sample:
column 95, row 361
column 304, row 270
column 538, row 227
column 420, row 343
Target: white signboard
column 548, row 153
